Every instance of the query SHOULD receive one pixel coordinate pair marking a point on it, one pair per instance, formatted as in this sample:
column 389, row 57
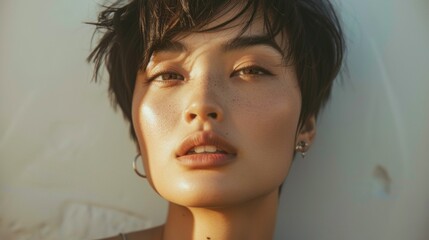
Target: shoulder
column 154, row 233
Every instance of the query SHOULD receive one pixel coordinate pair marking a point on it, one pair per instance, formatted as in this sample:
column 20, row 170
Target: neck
column 252, row 220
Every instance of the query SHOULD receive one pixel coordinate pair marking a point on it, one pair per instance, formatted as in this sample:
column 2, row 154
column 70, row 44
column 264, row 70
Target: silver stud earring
column 302, row 147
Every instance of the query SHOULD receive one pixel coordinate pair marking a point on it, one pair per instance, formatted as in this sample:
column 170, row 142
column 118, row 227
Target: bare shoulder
column 154, row 233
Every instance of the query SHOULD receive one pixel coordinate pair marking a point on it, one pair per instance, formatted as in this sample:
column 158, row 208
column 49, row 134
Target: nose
column 204, row 101
column 203, row 111
column 206, row 95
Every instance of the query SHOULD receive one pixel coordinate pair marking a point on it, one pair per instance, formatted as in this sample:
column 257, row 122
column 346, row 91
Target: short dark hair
column 133, row 29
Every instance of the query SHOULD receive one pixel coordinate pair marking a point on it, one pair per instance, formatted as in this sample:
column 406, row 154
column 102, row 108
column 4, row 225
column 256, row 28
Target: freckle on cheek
column 167, row 118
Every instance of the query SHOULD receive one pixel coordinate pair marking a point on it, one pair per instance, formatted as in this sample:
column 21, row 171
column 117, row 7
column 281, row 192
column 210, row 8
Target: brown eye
column 252, row 71
column 167, row 76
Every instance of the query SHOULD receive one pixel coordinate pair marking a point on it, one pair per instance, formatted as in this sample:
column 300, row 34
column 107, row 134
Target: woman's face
column 210, row 86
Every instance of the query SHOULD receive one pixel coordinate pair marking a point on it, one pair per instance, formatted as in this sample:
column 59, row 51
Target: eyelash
column 261, row 71
column 160, row 74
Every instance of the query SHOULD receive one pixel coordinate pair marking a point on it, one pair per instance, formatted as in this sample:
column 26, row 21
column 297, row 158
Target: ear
column 307, row 131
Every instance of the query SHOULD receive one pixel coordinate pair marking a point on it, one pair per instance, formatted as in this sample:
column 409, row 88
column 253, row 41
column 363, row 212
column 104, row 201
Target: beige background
column 65, row 156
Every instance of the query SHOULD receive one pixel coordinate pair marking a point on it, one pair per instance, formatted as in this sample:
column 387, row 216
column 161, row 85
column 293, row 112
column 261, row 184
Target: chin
column 208, row 201
column 214, row 196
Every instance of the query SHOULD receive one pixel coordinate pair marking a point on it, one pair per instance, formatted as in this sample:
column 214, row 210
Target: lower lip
column 206, row 160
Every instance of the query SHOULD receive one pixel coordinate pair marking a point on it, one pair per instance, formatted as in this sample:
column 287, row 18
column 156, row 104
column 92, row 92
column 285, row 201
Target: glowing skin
column 256, row 110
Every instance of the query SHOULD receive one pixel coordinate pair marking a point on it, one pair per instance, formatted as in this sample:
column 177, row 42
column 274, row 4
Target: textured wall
column 65, row 170
column 65, row 156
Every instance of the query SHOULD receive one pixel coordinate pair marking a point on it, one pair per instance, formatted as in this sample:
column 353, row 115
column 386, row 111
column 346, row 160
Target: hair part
column 131, row 31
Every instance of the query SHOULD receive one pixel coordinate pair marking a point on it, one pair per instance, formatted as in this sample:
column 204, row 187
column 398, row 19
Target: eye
column 166, row 76
column 251, row 71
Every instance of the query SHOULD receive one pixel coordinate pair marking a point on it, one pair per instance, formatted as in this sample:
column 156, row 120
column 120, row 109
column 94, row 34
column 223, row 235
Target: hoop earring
column 302, row 147
column 135, row 166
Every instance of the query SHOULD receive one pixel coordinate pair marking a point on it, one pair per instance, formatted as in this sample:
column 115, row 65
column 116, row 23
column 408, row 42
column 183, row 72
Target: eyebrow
column 169, row 46
column 238, row 43
column 250, row 41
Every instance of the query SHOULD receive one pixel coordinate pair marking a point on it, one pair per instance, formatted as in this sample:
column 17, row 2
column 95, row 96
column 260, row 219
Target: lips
column 206, row 142
column 205, row 150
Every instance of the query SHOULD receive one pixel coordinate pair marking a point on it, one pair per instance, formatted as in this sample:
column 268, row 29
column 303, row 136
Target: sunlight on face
column 235, row 87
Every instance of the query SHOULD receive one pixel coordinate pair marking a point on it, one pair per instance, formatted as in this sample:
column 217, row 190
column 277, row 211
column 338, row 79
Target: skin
column 257, row 102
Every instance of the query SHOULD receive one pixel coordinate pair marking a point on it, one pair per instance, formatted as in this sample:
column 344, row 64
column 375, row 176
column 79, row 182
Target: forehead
column 243, row 31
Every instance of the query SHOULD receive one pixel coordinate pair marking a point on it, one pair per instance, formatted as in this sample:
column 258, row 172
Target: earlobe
column 308, row 129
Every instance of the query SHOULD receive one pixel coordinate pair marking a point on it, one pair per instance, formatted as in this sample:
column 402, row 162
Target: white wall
column 367, row 175
column 65, row 170
column 65, row 156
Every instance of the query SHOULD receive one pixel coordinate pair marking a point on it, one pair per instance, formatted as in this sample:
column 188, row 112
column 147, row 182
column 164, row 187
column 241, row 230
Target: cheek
column 266, row 126
column 157, row 119
column 154, row 121
column 271, row 115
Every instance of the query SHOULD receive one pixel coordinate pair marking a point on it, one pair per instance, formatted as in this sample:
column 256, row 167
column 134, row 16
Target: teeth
column 206, row 148
column 199, row 149
column 210, row 149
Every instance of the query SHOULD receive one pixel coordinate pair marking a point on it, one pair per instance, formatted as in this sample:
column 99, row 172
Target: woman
column 220, row 95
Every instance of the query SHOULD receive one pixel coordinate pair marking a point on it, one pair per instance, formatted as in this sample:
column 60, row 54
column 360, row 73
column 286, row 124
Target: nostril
column 212, row 115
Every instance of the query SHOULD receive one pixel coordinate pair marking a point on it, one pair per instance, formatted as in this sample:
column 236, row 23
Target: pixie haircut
column 132, row 31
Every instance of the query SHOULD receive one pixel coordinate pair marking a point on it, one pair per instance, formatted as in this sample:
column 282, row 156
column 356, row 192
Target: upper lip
column 204, row 138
